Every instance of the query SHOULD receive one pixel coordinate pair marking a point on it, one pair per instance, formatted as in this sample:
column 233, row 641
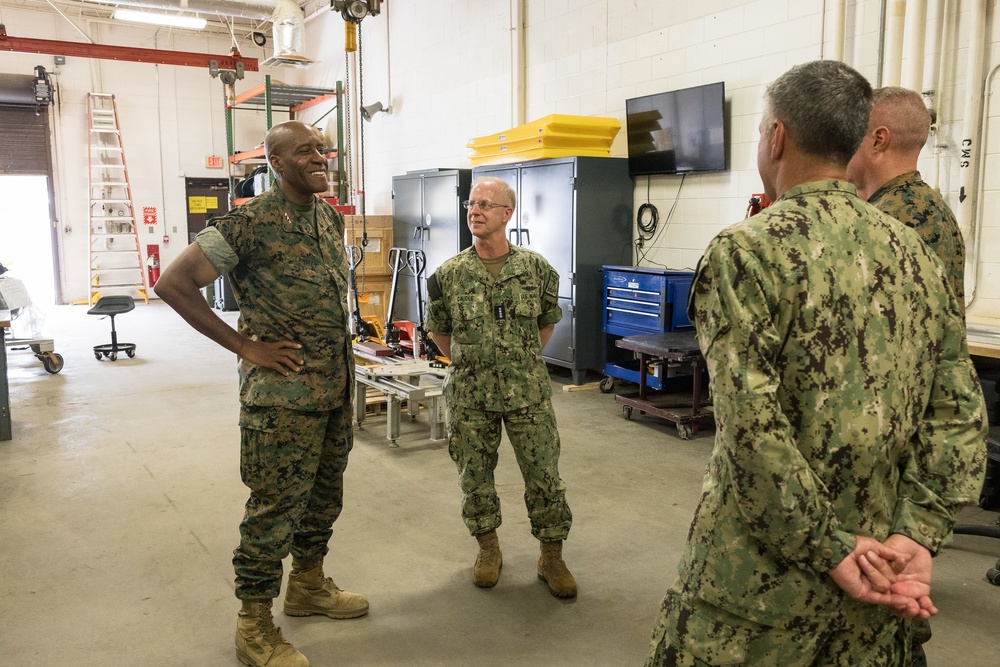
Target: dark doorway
column 207, row 198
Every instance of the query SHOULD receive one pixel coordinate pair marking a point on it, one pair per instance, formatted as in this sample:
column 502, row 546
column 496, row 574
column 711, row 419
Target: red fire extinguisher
column 758, row 202
column 153, row 263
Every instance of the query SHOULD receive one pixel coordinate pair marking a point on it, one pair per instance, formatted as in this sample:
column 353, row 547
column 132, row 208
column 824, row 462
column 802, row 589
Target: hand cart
column 671, row 347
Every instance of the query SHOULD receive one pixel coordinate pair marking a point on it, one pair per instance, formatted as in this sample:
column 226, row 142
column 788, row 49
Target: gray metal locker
column 427, row 215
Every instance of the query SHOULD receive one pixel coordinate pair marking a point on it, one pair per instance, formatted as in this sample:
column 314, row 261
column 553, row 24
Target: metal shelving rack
column 271, row 95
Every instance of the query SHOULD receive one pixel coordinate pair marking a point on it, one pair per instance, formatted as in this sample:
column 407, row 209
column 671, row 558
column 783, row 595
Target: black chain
column 361, row 144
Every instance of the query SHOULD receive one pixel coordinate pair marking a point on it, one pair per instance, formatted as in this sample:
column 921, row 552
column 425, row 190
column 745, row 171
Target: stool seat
column 113, row 305
column 110, row 306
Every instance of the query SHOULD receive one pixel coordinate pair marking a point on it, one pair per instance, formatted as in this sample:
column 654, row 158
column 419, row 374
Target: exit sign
column 213, row 162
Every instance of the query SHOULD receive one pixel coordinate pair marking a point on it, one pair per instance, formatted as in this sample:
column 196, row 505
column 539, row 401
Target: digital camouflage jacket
column 289, row 277
column 496, row 354
column 845, row 400
column 916, row 204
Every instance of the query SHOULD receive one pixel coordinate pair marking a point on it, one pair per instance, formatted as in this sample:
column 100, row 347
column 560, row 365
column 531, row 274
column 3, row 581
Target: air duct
column 287, row 22
column 288, row 30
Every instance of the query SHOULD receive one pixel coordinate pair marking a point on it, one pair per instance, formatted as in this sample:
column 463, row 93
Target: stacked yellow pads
column 555, row 135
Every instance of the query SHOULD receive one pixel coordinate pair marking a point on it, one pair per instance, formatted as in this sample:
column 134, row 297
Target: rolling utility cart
column 14, row 296
column 42, row 348
column 680, row 348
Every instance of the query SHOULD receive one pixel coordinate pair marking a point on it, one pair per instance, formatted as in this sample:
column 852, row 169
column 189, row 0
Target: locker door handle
column 527, row 235
column 510, row 236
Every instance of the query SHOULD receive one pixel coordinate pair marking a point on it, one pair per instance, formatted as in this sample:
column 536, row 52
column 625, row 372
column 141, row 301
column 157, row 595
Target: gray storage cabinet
column 577, row 213
column 427, row 215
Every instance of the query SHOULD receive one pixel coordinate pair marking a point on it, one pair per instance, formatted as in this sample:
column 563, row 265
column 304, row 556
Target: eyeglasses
column 485, row 205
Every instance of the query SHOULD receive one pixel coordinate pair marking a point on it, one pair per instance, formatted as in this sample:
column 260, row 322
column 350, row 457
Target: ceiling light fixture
column 153, row 18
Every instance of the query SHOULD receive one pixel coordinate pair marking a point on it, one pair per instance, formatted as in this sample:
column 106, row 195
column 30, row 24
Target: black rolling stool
column 111, row 306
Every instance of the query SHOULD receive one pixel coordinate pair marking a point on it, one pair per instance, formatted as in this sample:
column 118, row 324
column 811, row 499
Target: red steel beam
column 126, row 53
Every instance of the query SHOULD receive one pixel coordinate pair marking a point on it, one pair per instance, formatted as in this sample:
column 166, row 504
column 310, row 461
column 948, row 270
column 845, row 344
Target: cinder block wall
column 447, row 71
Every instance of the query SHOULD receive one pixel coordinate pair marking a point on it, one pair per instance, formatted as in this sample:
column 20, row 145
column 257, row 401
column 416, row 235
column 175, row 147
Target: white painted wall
column 445, row 69
column 171, row 119
column 450, row 75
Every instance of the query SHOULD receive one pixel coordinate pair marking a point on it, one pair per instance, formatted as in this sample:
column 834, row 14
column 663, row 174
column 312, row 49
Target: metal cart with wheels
column 42, row 348
column 14, row 298
column 690, row 413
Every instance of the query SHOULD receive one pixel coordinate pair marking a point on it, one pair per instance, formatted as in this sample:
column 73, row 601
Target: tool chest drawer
column 645, row 300
column 639, row 300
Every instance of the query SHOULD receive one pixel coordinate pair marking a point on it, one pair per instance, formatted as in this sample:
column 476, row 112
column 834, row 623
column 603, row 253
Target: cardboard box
column 371, row 221
column 373, row 297
column 376, row 259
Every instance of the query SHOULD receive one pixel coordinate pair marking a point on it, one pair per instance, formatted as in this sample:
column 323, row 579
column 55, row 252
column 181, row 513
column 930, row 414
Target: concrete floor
column 120, row 498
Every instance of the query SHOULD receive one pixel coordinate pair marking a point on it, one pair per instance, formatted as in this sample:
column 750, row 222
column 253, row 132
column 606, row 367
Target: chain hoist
column 353, row 11
column 361, row 144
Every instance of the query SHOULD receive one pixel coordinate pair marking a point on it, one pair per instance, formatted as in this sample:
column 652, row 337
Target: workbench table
column 676, row 347
column 416, row 381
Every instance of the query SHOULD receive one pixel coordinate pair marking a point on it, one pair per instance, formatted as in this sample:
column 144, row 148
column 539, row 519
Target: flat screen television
column 677, row 132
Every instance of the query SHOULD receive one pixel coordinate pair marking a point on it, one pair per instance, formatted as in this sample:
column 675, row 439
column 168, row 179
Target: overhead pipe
column 936, row 80
column 880, row 58
column 978, row 238
column 914, row 36
column 517, row 62
column 66, row 18
column 970, row 159
column 839, row 28
column 893, row 42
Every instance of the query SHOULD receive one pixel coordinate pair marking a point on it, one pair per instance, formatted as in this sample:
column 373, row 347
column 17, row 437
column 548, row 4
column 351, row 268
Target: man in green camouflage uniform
column 884, row 169
column 491, row 310
column 848, row 411
column 284, row 253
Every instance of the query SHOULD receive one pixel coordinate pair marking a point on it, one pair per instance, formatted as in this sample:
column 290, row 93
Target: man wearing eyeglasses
column 492, row 309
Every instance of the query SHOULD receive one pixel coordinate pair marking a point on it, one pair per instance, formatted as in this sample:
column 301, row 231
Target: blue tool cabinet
column 640, row 300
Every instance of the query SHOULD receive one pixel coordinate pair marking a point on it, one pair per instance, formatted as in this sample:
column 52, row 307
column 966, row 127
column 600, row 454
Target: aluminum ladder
column 116, row 265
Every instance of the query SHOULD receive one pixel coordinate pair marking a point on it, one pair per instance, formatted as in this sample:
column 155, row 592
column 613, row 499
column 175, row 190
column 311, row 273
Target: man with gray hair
column 884, row 169
column 492, row 309
column 848, row 411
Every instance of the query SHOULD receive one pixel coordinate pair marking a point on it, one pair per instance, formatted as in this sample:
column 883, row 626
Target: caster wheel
column 130, row 353
column 113, row 356
column 607, row 385
column 627, row 411
column 53, row 366
column 684, row 431
column 98, row 355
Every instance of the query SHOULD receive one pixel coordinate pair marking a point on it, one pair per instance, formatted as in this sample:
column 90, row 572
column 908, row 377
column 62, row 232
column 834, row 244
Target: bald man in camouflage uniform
column 884, row 169
column 848, row 411
column 492, row 309
column 284, row 254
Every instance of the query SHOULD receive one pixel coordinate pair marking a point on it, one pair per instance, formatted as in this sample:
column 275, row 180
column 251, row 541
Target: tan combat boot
column 259, row 643
column 309, row 592
column 489, row 560
column 553, row 571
